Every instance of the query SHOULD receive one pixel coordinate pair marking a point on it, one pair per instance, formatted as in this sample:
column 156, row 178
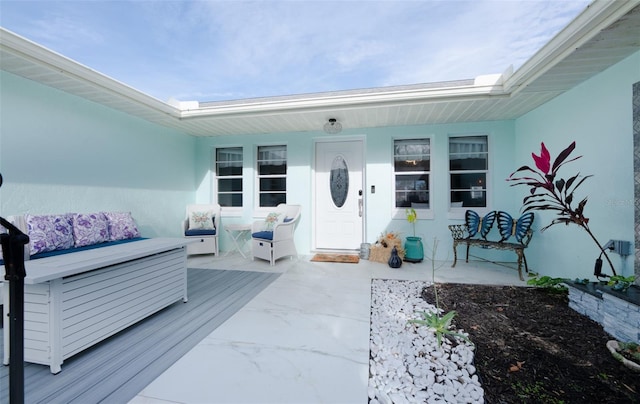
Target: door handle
column 360, row 207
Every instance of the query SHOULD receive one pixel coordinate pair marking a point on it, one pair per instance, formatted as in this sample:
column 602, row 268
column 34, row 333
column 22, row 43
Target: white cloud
column 485, row 38
column 62, row 28
column 238, row 49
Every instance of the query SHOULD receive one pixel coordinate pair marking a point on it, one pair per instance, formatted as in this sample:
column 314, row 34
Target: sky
column 230, row 50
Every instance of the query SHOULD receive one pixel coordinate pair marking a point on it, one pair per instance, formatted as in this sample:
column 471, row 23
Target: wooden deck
column 117, row 369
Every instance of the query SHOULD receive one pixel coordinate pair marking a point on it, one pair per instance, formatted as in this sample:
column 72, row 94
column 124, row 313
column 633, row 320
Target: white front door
column 339, row 195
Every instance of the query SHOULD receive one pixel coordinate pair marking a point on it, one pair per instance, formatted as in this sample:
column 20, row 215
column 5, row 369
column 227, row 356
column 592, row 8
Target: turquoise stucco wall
column 299, row 157
column 379, row 212
column 60, row 153
column 598, row 115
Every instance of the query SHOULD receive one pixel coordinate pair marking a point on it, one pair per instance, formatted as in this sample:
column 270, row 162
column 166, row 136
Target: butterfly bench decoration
column 476, row 229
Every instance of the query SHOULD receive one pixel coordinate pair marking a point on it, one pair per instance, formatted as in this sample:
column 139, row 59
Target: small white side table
column 237, row 232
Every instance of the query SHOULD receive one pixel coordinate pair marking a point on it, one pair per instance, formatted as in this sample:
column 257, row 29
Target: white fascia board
column 387, row 98
column 42, row 56
column 597, row 16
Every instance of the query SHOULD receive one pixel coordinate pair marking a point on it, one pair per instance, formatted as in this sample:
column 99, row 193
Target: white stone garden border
column 406, row 365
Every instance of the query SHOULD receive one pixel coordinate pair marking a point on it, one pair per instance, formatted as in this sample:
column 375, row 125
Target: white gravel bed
column 406, row 365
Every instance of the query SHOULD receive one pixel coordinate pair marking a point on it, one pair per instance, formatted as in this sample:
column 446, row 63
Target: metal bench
column 475, row 226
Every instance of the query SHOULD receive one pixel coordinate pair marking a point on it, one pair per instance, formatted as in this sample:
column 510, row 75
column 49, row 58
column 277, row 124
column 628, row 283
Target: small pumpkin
column 394, row 260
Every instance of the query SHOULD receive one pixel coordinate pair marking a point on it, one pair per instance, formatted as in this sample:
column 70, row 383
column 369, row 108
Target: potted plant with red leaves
column 548, row 191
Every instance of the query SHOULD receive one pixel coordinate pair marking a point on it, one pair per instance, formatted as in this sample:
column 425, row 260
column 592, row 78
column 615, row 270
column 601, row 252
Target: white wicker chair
column 275, row 243
column 207, row 238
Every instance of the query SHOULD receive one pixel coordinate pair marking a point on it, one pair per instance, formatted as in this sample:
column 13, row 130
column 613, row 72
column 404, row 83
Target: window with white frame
column 229, row 176
column 468, row 169
column 412, row 165
column 272, row 175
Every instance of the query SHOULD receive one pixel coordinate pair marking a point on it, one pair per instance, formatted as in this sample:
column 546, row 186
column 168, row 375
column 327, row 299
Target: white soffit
column 605, row 33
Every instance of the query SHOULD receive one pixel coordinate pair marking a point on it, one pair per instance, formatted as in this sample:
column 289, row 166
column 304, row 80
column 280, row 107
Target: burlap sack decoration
column 381, row 250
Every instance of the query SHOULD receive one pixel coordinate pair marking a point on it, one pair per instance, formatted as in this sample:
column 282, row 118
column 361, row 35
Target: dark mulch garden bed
column 532, row 348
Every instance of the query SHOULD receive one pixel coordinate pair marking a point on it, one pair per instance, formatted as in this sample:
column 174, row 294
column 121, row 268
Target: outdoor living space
column 361, row 163
column 304, row 339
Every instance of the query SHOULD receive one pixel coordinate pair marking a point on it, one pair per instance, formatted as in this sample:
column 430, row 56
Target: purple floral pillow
column 121, row 226
column 90, row 228
column 49, row 233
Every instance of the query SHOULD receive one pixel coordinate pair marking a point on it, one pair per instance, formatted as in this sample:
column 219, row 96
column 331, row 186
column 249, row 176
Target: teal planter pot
column 413, row 251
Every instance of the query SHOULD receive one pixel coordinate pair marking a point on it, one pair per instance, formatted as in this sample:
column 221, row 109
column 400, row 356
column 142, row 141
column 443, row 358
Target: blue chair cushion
column 83, row 248
column 265, row 235
column 200, row 232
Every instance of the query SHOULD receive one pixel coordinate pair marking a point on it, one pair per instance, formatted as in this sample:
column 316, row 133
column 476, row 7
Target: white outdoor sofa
column 76, row 299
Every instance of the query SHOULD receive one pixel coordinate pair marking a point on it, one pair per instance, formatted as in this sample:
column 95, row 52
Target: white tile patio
column 304, row 339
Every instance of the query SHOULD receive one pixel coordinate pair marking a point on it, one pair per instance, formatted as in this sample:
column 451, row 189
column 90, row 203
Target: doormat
column 344, row 258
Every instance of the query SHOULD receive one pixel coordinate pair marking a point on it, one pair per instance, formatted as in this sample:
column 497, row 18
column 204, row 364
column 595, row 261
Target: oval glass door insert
column 339, row 181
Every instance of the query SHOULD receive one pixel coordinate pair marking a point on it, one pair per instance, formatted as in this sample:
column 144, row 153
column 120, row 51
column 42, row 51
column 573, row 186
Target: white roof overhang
column 605, row 33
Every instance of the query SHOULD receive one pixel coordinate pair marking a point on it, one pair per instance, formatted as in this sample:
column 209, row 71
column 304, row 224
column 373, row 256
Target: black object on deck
column 13, row 255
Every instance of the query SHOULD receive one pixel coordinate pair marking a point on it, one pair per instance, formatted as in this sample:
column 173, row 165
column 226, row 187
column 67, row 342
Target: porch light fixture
column 332, row 126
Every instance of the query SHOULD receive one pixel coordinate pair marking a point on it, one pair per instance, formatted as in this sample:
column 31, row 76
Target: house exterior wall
column 60, row 153
column 598, row 115
column 636, row 170
column 380, row 214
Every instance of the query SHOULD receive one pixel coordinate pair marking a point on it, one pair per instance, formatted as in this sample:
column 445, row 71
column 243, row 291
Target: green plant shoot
column 412, row 216
column 619, row 278
column 621, row 282
column 439, row 324
column 548, row 282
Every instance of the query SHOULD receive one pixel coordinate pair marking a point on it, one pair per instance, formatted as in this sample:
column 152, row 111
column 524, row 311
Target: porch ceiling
column 604, row 34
